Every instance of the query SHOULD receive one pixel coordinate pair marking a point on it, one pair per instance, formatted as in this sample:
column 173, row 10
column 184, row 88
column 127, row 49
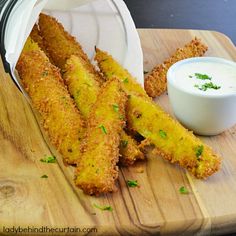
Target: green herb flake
column 103, row 208
column 44, row 176
column 190, row 76
column 115, row 107
column 206, row 86
column 132, row 183
column 77, row 94
column 124, row 143
column 126, row 80
column 121, row 117
column 89, row 85
column 183, row 190
column 45, row 73
column 202, row 76
column 103, row 129
column 199, row 151
column 50, row 159
column 145, row 72
column 162, row 134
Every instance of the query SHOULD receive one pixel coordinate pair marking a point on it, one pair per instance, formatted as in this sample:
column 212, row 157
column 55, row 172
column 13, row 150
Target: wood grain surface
column 155, row 208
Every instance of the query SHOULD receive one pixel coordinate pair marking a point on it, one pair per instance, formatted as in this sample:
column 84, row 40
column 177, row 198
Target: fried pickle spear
column 171, row 139
column 85, row 90
column 81, row 84
column 61, row 119
column 110, row 67
column 155, row 83
column 37, row 38
column 97, row 170
column 60, row 45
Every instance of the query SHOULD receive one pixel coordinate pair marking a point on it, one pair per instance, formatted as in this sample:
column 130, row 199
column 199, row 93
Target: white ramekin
column 203, row 114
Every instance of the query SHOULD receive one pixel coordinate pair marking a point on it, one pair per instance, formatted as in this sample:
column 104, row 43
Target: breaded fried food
column 37, row 38
column 60, row 45
column 172, row 140
column 60, row 117
column 129, row 150
column 84, row 88
column 97, row 170
column 155, row 83
column 110, row 67
column 81, row 84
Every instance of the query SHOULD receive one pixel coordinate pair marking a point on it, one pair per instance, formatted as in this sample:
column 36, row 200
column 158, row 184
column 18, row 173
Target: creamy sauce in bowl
column 205, row 76
column 202, row 94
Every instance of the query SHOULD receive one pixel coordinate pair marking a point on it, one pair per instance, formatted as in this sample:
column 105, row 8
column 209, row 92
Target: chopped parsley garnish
column 145, row 72
column 124, row 143
column 77, row 93
column 162, row 134
column 89, row 85
column 103, row 208
column 50, row 159
column 206, row 86
column 44, row 176
column 199, row 151
column 132, row 183
column 202, row 76
column 45, row 73
column 121, row 117
column 115, row 107
column 190, row 76
column 125, row 80
column 103, row 129
column 183, row 190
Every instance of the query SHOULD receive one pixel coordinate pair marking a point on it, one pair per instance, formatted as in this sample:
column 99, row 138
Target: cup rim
column 171, row 70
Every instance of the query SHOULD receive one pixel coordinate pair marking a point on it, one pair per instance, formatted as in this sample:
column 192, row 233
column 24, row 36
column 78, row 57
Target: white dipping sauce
column 222, row 75
column 208, row 112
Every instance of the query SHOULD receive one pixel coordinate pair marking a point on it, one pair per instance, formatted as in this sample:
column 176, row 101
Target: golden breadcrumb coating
column 171, row 139
column 129, row 150
column 81, row 84
column 61, row 119
column 37, row 38
column 97, row 170
column 60, row 45
column 85, row 89
column 155, row 83
column 109, row 67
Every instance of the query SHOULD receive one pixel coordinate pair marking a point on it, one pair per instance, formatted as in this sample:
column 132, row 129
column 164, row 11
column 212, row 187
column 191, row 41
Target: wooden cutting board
column 155, row 208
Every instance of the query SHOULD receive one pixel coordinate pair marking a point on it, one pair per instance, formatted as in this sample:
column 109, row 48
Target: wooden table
column 155, row 208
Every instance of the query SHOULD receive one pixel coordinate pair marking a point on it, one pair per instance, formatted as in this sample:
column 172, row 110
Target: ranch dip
column 206, row 77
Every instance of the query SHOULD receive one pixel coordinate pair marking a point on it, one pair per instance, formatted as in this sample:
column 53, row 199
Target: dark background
column 218, row 15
